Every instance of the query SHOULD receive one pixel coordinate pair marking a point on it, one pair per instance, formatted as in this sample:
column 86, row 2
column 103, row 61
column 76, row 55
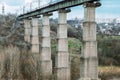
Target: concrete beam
column 89, row 59
column 62, row 56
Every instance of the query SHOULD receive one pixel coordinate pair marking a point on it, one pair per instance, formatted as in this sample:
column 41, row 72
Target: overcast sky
column 109, row 8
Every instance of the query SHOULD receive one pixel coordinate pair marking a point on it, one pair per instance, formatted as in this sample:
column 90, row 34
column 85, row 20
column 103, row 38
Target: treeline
column 72, row 30
column 109, row 50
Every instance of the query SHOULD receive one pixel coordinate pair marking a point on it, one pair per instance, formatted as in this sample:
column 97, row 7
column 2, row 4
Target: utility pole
column 38, row 3
column 23, row 9
column 31, row 6
column 51, row 1
column 3, row 12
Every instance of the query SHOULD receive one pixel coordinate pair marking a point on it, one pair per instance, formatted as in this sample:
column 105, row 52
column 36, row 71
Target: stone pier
column 35, row 35
column 35, row 48
column 27, row 27
column 89, row 59
column 62, row 56
column 46, row 62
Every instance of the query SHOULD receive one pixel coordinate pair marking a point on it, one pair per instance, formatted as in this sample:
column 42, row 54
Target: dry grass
column 75, row 68
column 9, row 63
column 17, row 64
column 20, row 64
column 109, row 72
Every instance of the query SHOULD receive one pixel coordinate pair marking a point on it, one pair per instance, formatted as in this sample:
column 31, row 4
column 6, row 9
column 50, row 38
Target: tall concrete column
column 27, row 30
column 62, row 56
column 46, row 62
column 35, row 35
column 89, row 59
column 35, row 46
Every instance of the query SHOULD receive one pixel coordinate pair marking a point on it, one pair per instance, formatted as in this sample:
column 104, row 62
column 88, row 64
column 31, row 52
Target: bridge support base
column 46, row 70
column 84, row 79
column 88, row 79
column 63, row 73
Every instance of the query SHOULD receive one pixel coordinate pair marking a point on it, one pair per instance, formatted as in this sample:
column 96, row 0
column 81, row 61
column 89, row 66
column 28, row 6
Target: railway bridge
column 88, row 58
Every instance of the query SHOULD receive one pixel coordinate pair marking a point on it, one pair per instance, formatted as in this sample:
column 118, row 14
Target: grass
column 74, row 46
column 9, row 63
column 109, row 72
column 17, row 64
column 21, row 64
column 73, row 42
column 105, row 72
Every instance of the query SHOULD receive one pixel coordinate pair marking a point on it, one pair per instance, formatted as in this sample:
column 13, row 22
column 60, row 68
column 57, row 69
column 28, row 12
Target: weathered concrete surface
column 62, row 56
column 46, row 62
column 27, row 27
column 63, row 73
column 35, row 47
column 89, row 59
column 35, row 36
column 46, row 69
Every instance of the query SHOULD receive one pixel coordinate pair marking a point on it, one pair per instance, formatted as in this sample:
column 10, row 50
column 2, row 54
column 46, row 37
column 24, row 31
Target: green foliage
column 109, row 50
column 72, row 42
column 74, row 45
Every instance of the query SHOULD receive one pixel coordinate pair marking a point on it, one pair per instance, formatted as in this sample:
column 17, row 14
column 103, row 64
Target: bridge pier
column 46, row 62
column 89, row 59
column 35, row 35
column 35, row 48
column 62, row 56
column 27, row 27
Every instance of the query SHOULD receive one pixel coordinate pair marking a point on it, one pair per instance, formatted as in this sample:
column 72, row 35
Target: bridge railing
column 35, row 4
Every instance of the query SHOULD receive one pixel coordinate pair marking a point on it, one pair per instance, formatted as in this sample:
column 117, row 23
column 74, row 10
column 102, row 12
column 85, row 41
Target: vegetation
column 18, row 62
column 109, row 50
column 109, row 72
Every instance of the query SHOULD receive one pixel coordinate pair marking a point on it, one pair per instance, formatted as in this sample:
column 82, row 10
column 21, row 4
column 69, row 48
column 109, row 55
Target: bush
column 16, row 64
column 108, row 51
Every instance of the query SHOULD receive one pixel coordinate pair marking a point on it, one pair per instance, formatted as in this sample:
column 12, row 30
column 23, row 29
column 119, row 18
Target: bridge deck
column 54, row 7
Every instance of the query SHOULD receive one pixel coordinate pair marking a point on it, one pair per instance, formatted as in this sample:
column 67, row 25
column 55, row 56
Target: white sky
column 109, row 8
column 13, row 8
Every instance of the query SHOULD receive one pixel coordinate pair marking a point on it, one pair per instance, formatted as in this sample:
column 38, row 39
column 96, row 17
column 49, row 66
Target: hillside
column 12, row 43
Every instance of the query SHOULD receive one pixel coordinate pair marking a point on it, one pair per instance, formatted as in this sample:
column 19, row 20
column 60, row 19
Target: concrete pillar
column 46, row 62
column 35, row 48
column 89, row 59
column 62, row 56
column 27, row 30
column 35, row 35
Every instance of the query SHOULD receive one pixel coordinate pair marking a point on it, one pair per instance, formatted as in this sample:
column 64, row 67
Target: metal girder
column 54, row 7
